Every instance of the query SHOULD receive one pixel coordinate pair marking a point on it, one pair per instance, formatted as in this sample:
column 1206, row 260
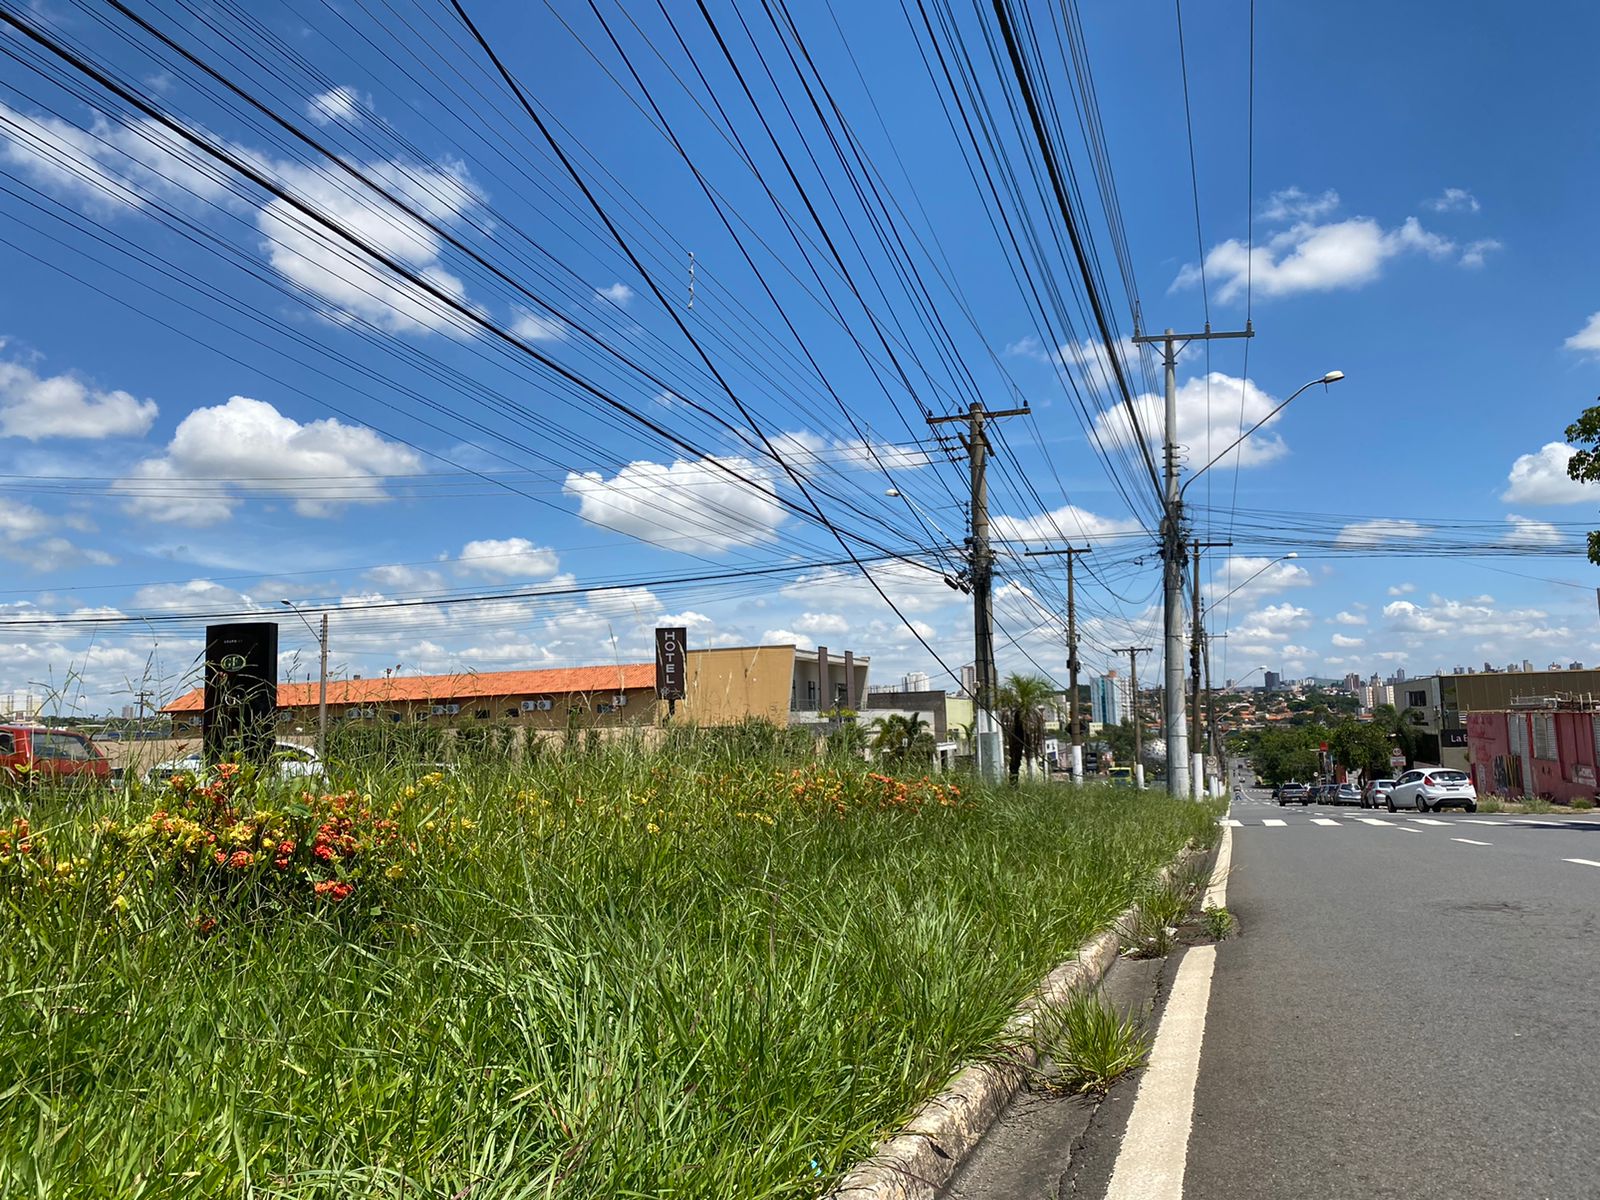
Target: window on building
column 511, row 712
column 1517, row 733
column 602, row 708
column 1416, row 699
column 481, row 714
column 8, row 743
column 811, row 691
column 1544, row 737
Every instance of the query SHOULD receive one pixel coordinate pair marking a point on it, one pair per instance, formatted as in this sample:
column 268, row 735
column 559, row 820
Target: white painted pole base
column 1077, row 764
column 1197, row 775
column 1138, row 776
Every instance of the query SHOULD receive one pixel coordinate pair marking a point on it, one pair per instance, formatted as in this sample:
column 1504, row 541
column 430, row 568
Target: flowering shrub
column 321, row 847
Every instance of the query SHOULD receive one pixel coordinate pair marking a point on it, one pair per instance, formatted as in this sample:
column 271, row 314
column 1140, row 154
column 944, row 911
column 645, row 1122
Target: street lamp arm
column 287, row 604
column 1253, row 578
column 1330, row 377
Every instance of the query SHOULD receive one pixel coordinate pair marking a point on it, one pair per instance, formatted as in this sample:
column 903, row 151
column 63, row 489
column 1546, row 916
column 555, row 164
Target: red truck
column 34, row 751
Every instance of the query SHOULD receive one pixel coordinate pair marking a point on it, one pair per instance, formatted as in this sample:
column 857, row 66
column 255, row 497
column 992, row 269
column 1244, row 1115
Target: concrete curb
column 916, row 1162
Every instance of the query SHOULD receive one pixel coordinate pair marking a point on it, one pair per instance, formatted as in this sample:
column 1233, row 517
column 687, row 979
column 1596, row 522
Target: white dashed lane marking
column 1470, row 842
column 1234, row 824
column 1427, row 821
column 1582, row 862
column 1478, row 821
column 1373, row 821
column 1273, row 821
column 1323, row 821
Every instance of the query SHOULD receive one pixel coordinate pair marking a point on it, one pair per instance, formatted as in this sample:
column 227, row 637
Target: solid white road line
column 1373, row 821
column 1155, row 1147
column 1427, row 821
column 1217, row 890
column 1582, row 862
column 1470, row 842
column 1323, row 821
column 1273, row 821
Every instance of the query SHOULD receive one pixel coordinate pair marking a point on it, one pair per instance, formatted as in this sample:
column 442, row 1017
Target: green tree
column 1358, row 746
column 899, row 740
column 1023, row 700
column 1584, row 466
column 1285, row 754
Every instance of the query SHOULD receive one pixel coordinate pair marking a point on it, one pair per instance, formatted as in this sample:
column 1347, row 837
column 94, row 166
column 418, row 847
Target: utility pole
column 322, row 696
column 1072, row 654
column 977, row 446
column 1133, row 653
column 1172, row 551
column 1197, row 778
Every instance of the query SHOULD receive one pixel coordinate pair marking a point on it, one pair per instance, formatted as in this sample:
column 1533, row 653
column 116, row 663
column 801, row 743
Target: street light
column 958, row 581
column 1237, row 682
column 322, row 684
column 1257, row 575
column 1330, row 378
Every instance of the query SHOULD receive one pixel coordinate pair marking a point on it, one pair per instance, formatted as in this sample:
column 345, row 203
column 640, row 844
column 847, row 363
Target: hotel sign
column 672, row 662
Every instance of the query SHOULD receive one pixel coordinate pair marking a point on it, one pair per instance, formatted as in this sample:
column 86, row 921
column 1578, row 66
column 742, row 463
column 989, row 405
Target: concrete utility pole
column 1072, row 654
column 1172, row 553
column 322, row 695
column 977, row 446
column 1197, row 775
column 1133, row 653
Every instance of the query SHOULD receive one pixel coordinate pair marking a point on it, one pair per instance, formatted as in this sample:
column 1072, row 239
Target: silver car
column 289, row 761
column 1432, row 788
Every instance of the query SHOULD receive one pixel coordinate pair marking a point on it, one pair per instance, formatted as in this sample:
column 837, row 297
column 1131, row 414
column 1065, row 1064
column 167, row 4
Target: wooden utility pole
column 1197, row 776
column 977, row 447
column 1071, row 555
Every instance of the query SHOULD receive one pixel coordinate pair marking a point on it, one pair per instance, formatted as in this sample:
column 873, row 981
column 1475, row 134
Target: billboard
column 672, row 661
column 241, row 692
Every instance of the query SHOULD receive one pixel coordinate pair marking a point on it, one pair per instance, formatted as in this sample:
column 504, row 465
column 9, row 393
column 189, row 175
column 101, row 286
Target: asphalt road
column 1411, row 1009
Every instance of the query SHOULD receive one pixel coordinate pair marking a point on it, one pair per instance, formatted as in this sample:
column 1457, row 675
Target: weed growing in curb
column 1219, row 923
column 1092, row 1046
column 1583, row 802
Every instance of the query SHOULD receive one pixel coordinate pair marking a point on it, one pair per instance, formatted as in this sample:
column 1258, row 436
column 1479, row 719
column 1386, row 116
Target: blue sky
column 213, row 396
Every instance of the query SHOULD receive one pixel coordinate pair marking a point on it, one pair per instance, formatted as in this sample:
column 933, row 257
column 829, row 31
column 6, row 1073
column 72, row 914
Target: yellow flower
column 396, row 871
column 120, row 903
column 653, row 827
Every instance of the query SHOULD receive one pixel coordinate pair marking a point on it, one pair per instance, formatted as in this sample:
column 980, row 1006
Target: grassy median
column 710, row 972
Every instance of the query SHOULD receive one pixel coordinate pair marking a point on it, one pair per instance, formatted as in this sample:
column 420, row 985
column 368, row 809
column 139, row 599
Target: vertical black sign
column 672, row 662
column 241, row 692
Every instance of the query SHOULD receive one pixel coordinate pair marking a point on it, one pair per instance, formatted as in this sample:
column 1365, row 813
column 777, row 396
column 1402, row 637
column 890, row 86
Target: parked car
column 1376, row 793
column 1294, row 793
column 289, row 761
column 1344, row 793
column 37, row 752
column 1433, row 788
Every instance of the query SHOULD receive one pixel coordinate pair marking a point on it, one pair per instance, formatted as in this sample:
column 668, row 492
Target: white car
column 1432, row 788
column 289, row 761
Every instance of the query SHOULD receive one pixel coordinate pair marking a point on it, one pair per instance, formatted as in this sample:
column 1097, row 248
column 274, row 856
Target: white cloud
column 811, row 622
column 617, row 293
column 685, row 506
column 1219, row 395
column 508, row 558
column 248, row 446
column 808, row 450
column 1527, row 532
column 335, row 104
column 1308, row 257
column 352, row 282
column 1253, row 576
column 1441, row 618
column 108, row 164
column 534, row 327
column 59, row 406
column 1587, row 339
column 787, row 637
column 1541, row 478
column 1291, row 204
column 1349, row 618
column 1069, row 522
column 1377, row 532
column 1402, row 589
column 399, row 577
column 1273, row 623
column 1475, row 252
column 1453, row 199
column 1344, row 642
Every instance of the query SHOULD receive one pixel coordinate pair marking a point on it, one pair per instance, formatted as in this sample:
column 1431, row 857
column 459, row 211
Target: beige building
column 781, row 684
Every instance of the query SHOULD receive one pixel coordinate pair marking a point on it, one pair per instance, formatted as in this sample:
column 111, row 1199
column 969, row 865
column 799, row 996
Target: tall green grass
column 624, row 973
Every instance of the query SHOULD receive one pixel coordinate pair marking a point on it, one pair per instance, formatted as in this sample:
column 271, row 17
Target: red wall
column 1498, row 771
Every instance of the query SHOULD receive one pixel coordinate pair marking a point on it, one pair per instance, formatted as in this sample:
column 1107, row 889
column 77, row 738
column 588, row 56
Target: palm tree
column 897, row 738
column 1023, row 699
